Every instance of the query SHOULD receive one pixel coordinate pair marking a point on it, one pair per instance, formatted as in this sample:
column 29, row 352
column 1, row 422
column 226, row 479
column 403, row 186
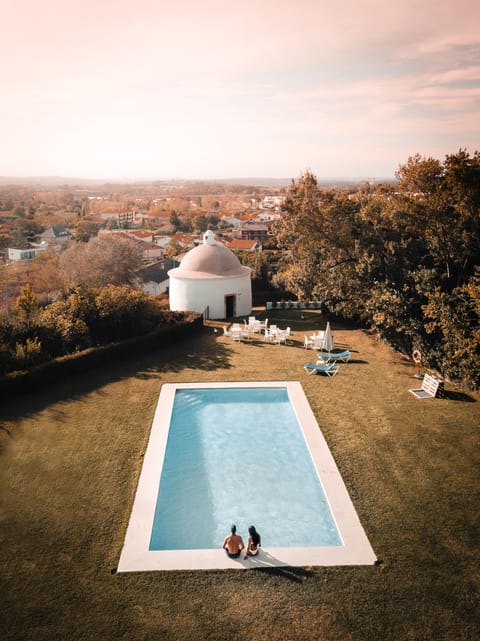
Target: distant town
column 40, row 217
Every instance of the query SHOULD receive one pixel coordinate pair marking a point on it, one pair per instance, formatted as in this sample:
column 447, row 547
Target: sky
column 156, row 89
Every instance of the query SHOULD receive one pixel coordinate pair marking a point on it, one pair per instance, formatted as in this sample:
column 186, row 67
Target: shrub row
column 63, row 367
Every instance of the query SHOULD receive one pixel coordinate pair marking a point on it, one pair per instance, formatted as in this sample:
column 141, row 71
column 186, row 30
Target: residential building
column 254, row 232
column 27, row 253
column 154, row 279
column 124, row 219
column 55, row 235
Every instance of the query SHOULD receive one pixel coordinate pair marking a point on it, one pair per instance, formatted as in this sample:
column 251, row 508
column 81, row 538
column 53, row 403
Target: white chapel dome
column 210, row 260
column 212, row 281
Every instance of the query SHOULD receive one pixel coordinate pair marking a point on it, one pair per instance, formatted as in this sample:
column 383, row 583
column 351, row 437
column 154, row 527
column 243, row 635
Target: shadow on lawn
column 458, row 396
column 205, row 354
column 267, row 564
column 298, row 575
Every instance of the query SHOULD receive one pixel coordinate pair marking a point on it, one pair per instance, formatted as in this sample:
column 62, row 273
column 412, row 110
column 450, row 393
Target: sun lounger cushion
column 330, row 369
column 337, row 356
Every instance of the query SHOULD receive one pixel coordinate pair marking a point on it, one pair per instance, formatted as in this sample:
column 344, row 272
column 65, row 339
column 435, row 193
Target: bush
column 84, row 318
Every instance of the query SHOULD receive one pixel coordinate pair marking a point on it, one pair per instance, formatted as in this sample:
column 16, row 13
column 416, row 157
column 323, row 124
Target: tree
column 19, row 211
column 200, row 223
column 175, row 221
column 106, row 260
column 27, row 304
column 46, row 277
column 84, row 230
column 453, row 331
column 173, row 249
column 319, row 230
column 299, row 230
column 401, row 259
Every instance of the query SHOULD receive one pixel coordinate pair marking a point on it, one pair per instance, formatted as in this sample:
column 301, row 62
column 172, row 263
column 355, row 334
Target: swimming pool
column 230, row 451
column 248, row 453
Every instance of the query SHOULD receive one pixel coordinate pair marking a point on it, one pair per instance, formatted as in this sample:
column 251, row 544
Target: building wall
column 196, row 294
column 23, row 254
column 154, row 289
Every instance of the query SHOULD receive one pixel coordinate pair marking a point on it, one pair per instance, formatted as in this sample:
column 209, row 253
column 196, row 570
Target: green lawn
column 71, row 457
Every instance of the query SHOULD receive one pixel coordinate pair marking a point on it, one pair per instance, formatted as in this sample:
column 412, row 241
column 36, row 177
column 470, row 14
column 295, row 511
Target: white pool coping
column 135, row 555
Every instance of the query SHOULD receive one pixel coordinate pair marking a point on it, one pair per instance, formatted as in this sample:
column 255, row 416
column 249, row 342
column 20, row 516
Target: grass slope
column 71, row 458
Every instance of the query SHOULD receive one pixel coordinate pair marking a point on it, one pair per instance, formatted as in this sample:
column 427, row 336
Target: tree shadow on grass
column 201, row 352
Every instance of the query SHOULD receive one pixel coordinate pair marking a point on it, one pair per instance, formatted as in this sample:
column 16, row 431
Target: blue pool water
column 238, row 455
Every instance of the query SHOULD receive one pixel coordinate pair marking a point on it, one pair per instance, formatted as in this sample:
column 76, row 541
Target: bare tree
column 111, row 260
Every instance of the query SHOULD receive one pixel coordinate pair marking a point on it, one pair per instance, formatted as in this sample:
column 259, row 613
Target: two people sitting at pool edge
column 233, row 543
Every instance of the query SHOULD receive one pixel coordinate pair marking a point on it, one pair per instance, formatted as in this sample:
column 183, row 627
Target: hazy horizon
column 122, row 91
column 267, row 182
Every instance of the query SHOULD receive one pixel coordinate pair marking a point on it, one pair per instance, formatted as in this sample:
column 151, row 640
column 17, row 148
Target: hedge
column 26, row 381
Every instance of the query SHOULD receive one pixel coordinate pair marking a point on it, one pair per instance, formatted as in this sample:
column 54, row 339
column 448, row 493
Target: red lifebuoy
column 417, row 357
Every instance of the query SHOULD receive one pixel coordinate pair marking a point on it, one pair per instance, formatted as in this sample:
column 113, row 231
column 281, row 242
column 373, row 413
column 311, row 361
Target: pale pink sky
column 190, row 89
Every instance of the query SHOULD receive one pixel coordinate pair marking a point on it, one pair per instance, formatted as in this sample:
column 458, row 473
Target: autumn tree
column 174, row 248
column 402, row 259
column 26, row 304
column 175, row 221
column 319, row 230
column 45, row 276
column 106, row 260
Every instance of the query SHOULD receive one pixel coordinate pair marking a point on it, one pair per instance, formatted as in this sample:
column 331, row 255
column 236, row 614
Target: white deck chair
column 431, row 387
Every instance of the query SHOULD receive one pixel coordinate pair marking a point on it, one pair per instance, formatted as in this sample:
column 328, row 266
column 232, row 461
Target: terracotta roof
column 238, row 243
column 140, row 233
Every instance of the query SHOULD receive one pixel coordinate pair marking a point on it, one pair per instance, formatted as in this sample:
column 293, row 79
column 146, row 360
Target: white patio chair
column 255, row 327
column 307, row 341
column 245, row 333
column 269, row 336
column 318, row 341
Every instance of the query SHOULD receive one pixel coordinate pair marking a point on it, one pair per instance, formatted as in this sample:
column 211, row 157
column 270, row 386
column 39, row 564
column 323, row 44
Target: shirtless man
column 233, row 543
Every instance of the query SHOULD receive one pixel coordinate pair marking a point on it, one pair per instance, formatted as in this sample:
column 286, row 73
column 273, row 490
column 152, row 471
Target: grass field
column 71, row 457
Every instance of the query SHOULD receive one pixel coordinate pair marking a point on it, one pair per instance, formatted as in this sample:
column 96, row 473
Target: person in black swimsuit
column 254, row 542
column 233, row 543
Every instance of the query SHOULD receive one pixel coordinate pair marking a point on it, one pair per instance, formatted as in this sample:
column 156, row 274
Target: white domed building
column 211, row 276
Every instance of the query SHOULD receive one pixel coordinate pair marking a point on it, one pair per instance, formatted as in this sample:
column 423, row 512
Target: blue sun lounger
column 335, row 356
column 330, row 370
